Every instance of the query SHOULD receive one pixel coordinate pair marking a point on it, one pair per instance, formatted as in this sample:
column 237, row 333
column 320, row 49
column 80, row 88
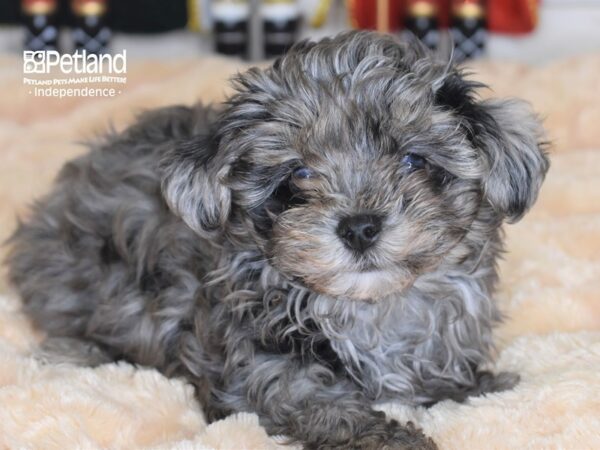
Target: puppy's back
column 101, row 255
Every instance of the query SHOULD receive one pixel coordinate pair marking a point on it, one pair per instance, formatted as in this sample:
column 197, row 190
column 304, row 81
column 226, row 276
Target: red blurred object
column 363, row 13
column 502, row 16
column 512, row 16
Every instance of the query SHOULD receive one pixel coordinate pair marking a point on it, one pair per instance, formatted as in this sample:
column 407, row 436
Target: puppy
column 325, row 239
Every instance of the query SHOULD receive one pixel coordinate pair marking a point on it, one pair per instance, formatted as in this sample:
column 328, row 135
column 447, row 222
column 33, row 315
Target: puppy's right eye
column 303, row 173
column 412, row 161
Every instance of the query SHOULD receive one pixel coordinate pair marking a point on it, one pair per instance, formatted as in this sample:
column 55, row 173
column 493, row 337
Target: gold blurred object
column 533, row 10
column 351, row 9
column 422, row 8
column 321, row 14
column 89, row 7
column 193, row 16
column 39, row 7
column 383, row 16
column 468, row 10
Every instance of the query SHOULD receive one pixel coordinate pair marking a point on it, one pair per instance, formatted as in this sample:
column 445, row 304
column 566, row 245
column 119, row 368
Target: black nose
column 359, row 232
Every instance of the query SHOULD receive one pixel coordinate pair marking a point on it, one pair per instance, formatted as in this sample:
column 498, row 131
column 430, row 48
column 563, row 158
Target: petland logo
column 81, row 74
column 43, row 62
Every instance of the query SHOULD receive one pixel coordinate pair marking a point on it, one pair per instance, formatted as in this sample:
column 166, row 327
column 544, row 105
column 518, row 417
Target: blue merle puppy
column 325, row 239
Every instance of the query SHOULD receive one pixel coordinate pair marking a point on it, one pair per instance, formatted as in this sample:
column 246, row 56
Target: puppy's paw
column 488, row 382
column 386, row 436
column 73, row 351
column 396, row 437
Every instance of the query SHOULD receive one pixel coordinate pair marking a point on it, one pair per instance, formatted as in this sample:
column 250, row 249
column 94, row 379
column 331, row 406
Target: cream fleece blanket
column 550, row 284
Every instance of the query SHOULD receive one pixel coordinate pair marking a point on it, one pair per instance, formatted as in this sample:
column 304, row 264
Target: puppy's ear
column 192, row 174
column 511, row 142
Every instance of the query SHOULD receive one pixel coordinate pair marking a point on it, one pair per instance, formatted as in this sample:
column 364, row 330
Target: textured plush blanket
column 550, row 283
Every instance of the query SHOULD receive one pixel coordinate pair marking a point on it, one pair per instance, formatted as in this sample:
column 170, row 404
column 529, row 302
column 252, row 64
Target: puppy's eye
column 412, row 161
column 303, row 173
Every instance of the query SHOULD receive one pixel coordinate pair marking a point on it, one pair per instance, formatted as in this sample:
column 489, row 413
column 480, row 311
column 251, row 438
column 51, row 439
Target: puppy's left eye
column 303, row 173
column 412, row 161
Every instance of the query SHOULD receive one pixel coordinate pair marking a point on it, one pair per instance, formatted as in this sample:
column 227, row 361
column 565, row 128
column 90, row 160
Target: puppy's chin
column 369, row 286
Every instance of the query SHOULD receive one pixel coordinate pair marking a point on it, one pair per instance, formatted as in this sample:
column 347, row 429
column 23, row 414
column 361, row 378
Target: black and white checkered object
column 41, row 32
column 469, row 36
column 424, row 28
column 92, row 35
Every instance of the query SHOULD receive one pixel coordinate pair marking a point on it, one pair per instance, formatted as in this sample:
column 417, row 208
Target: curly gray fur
column 187, row 243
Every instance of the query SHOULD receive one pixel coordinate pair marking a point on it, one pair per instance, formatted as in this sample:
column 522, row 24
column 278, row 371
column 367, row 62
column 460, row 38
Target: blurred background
column 547, row 53
column 533, row 31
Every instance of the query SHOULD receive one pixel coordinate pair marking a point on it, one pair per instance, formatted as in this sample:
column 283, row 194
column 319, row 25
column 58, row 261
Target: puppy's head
column 356, row 164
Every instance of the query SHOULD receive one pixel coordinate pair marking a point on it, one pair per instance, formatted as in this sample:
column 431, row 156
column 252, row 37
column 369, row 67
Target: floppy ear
column 512, row 142
column 192, row 174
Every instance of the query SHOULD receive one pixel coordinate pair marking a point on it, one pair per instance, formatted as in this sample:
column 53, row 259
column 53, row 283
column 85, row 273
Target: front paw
column 487, row 382
column 394, row 437
column 385, row 436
